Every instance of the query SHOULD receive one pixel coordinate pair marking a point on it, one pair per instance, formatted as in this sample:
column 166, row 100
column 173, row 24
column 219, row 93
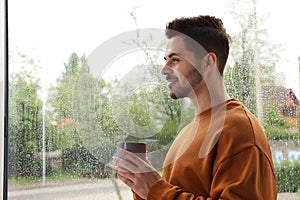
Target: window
column 79, row 82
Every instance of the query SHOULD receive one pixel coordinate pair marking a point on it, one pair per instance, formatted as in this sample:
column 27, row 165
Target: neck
column 209, row 94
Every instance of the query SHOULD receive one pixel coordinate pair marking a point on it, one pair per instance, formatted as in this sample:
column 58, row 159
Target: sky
column 49, row 31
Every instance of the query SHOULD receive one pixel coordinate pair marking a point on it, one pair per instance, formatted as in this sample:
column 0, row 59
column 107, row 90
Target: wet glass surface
column 66, row 117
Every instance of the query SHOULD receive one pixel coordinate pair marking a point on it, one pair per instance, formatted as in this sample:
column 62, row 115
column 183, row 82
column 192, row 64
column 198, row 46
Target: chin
column 173, row 96
column 178, row 96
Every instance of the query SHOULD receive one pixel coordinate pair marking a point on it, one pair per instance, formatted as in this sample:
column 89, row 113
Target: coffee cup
column 138, row 148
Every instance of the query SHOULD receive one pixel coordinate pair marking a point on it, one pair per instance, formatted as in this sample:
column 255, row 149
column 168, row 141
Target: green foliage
column 84, row 117
column 162, row 114
column 80, row 100
column 139, row 110
column 287, row 176
column 280, row 133
column 240, row 84
column 80, row 161
column 273, row 118
column 25, row 124
column 54, row 177
column 73, row 65
column 30, row 165
column 250, row 49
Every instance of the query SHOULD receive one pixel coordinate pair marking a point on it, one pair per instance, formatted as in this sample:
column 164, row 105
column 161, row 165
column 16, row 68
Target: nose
column 166, row 69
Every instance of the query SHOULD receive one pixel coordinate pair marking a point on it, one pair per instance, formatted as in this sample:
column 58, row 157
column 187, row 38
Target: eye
column 175, row 60
column 172, row 60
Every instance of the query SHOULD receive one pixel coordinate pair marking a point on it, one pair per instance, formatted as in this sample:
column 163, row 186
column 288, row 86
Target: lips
column 171, row 81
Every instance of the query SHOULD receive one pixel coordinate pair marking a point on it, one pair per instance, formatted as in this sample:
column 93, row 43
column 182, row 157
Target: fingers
column 131, row 156
column 132, row 163
column 138, row 174
column 124, row 176
column 125, row 165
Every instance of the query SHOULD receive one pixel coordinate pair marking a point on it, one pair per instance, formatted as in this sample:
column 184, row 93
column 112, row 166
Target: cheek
column 194, row 77
column 187, row 74
column 183, row 79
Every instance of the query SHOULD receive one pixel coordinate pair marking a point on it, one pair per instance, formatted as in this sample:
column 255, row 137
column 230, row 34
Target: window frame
column 4, row 98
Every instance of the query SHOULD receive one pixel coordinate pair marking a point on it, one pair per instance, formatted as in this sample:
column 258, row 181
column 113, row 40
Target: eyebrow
column 171, row 55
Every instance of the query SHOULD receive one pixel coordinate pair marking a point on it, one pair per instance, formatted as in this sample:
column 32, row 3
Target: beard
column 189, row 83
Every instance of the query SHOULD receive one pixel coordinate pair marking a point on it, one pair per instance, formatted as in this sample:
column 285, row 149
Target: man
column 223, row 153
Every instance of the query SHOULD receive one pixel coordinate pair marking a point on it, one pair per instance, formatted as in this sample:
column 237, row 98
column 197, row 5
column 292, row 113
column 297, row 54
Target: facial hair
column 192, row 79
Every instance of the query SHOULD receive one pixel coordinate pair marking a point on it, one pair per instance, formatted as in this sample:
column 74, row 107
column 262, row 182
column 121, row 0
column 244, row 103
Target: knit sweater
column 222, row 154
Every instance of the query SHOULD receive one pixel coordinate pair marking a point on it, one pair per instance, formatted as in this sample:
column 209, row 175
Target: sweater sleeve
column 163, row 190
column 242, row 176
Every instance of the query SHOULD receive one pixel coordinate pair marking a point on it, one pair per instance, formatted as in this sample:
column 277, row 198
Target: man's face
column 180, row 69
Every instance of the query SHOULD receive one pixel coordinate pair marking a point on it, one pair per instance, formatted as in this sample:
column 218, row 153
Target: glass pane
column 85, row 75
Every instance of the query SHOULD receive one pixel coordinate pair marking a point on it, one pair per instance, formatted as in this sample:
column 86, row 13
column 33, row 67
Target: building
column 285, row 100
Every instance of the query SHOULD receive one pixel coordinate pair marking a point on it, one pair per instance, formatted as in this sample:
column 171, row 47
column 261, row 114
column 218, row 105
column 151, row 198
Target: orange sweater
column 208, row 162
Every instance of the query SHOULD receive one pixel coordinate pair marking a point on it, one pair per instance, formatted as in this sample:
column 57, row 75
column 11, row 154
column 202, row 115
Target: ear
column 210, row 59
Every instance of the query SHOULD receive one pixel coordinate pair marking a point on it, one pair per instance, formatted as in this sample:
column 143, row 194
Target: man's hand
column 138, row 174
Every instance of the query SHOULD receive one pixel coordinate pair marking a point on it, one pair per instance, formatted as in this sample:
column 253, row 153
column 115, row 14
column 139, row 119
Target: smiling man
column 223, row 153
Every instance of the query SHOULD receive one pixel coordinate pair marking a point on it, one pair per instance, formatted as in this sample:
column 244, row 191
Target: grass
column 56, row 177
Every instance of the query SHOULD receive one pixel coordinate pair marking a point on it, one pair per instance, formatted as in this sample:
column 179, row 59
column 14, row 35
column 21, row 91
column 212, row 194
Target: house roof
column 279, row 94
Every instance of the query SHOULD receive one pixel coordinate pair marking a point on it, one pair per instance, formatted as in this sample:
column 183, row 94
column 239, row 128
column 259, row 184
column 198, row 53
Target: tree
column 254, row 57
column 25, row 123
column 82, row 111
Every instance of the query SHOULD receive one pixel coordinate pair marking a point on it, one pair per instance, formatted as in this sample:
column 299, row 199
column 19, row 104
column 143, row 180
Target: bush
column 287, row 176
column 80, row 161
column 280, row 133
column 27, row 163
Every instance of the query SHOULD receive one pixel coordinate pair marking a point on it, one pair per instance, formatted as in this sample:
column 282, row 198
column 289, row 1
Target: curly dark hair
column 206, row 30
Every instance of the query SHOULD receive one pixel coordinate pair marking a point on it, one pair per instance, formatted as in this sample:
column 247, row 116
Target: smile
column 171, row 82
